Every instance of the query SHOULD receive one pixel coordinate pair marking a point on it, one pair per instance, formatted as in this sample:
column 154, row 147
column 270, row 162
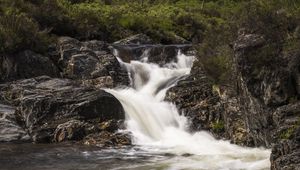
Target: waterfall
column 157, row 126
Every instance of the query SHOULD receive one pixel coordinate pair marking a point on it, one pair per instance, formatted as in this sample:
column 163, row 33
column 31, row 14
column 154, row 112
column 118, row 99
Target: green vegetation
column 212, row 25
column 217, row 126
column 286, row 134
column 289, row 132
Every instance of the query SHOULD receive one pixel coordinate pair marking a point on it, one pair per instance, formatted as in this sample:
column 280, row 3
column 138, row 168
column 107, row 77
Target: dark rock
column 112, row 125
column 10, row 131
column 175, row 39
column 286, row 153
column 194, row 97
column 137, row 39
column 100, row 82
column 44, row 103
column 142, row 39
column 270, row 80
column 247, row 41
column 159, row 54
column 72, row 130
column 81, row 66
column 107, row 139
column 259, row 106
column 140, row 46
column 26, row 64
column 88, row 60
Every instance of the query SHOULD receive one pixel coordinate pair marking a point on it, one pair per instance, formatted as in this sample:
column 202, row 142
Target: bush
column 19, row 32
column 211, row 23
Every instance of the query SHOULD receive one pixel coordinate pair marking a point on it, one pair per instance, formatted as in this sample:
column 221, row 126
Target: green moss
column 217, row 126
column 288, row 133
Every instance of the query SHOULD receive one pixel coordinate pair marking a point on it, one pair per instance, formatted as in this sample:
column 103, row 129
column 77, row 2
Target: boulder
column 44, row 103
column 10, row 131
column 26, row 64
column 88, row 60
column 72, row 130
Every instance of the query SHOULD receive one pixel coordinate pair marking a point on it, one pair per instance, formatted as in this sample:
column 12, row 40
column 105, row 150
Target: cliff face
column 260, row 106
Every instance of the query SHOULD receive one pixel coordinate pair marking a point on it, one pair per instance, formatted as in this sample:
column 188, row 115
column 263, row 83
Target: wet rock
column 159, row 54
column 100, row 82
column 44, row 103
column 26, row 64
column 10, row 131
column 112, row 125
column 248, row 110
column 137, row 39
column 107, row 139
column 88, row 60
column 72, row 130
column 194, row 98
column 286, row 153
column 140, row 47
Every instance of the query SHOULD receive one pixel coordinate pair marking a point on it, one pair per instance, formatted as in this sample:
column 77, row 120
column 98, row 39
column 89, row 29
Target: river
column 160, row 133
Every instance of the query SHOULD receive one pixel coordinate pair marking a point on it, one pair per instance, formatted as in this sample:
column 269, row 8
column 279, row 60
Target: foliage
column 211, row 23
column 19, row 32
column 289, row 132
column 218, row 126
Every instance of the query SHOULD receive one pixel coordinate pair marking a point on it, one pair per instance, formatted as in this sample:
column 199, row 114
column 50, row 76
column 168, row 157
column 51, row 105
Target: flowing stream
column 157, row 126
column 160, row 136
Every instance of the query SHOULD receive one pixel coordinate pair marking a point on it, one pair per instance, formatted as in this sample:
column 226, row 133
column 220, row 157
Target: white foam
column 158, row 127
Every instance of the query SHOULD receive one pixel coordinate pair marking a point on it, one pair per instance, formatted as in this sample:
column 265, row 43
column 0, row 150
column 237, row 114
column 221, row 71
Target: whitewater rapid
column 157, row 126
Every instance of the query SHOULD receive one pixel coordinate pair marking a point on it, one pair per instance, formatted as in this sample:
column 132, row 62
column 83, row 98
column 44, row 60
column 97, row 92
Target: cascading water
column 157, row 126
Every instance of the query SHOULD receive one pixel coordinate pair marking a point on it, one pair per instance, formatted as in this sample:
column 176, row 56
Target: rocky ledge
column 44, row 110
column 258, row 107
column 58, row 96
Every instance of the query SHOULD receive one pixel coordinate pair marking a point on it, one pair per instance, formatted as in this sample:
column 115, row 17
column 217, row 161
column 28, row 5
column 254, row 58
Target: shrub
column 211, row 23
column 19, row 32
